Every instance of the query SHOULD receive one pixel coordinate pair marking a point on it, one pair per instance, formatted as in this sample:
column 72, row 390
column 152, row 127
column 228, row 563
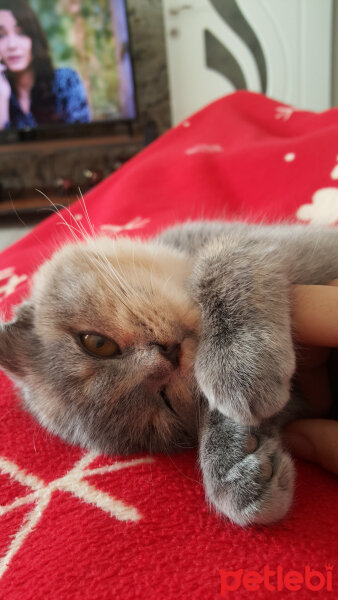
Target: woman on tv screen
column 32, row 91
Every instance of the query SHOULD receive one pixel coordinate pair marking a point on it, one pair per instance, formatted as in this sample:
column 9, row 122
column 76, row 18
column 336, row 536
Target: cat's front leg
column 245, row 358
column 247, row 475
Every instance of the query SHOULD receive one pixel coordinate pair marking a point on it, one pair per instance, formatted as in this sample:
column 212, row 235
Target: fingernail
column 300, row 445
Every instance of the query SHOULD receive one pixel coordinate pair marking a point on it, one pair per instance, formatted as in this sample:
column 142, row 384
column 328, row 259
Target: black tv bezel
column 69, row 131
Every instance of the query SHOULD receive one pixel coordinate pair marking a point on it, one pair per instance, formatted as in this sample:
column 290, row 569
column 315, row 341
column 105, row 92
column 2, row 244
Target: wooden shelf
column 60, row 158
column 35, row 205
column 52, row 146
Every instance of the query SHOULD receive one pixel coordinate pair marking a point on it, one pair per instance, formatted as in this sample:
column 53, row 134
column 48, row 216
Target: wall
column 149, row 55
column 335, row 55
column 282, row 48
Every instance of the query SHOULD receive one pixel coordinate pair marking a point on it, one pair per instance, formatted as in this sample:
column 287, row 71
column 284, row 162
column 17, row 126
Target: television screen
column 64, row 62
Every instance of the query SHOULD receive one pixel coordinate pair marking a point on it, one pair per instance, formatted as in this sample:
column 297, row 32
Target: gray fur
column 234, row 282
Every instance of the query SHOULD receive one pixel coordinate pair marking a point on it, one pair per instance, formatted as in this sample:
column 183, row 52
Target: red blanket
column 78, row 526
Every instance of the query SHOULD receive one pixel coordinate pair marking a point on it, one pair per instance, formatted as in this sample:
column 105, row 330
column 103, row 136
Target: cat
column 185, row 339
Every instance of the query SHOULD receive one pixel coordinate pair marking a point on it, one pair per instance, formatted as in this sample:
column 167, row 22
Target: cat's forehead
column 114, row 284
column 104, row 256
column 88, row 275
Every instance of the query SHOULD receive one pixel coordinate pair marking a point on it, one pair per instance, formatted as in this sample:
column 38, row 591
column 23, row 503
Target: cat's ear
column 16, row 339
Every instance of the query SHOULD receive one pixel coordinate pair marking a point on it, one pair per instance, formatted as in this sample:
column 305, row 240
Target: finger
column 315, row 440
column 315, row 315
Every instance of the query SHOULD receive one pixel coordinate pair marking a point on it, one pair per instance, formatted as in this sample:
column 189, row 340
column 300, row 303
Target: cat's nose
column 171, row 353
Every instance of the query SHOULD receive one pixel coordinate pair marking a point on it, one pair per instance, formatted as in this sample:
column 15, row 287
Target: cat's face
column 103, row 350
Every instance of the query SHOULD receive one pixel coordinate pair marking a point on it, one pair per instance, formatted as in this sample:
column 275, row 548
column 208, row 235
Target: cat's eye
column 99, row 345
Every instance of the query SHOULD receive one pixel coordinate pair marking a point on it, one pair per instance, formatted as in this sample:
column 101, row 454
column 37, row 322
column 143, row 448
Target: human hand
column 315, row 324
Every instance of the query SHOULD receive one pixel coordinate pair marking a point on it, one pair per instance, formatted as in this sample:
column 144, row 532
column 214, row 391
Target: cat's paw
column 247, row 382
column 251, row 482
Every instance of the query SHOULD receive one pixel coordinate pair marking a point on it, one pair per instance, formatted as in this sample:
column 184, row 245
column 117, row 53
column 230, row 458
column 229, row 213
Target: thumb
column 315, row 440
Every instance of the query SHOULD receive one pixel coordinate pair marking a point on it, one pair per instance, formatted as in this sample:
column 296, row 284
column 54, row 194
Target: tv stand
column 43, row 165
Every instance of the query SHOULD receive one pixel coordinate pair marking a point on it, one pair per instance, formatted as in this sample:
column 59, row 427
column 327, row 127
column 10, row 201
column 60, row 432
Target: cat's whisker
column 147, row 296
column 71, row 228
column 136, row 273
column 87, row 236
column 110, row 272
column 126, row 287
column 112, row 285
column 79, row 225
column 181, row 472
column 151, row 277
column 82, row 202
column 108, row 277
column 166, row 282
column 25, row 224
column 110, row 268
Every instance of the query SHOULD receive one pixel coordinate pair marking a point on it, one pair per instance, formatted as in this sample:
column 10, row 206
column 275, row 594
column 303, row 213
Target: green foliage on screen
column 80, row 36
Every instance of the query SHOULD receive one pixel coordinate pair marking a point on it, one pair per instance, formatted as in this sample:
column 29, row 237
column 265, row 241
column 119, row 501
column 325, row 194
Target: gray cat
column 127, row 346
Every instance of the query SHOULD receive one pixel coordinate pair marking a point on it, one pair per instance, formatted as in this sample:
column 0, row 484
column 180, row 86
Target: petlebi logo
column 276, row 579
